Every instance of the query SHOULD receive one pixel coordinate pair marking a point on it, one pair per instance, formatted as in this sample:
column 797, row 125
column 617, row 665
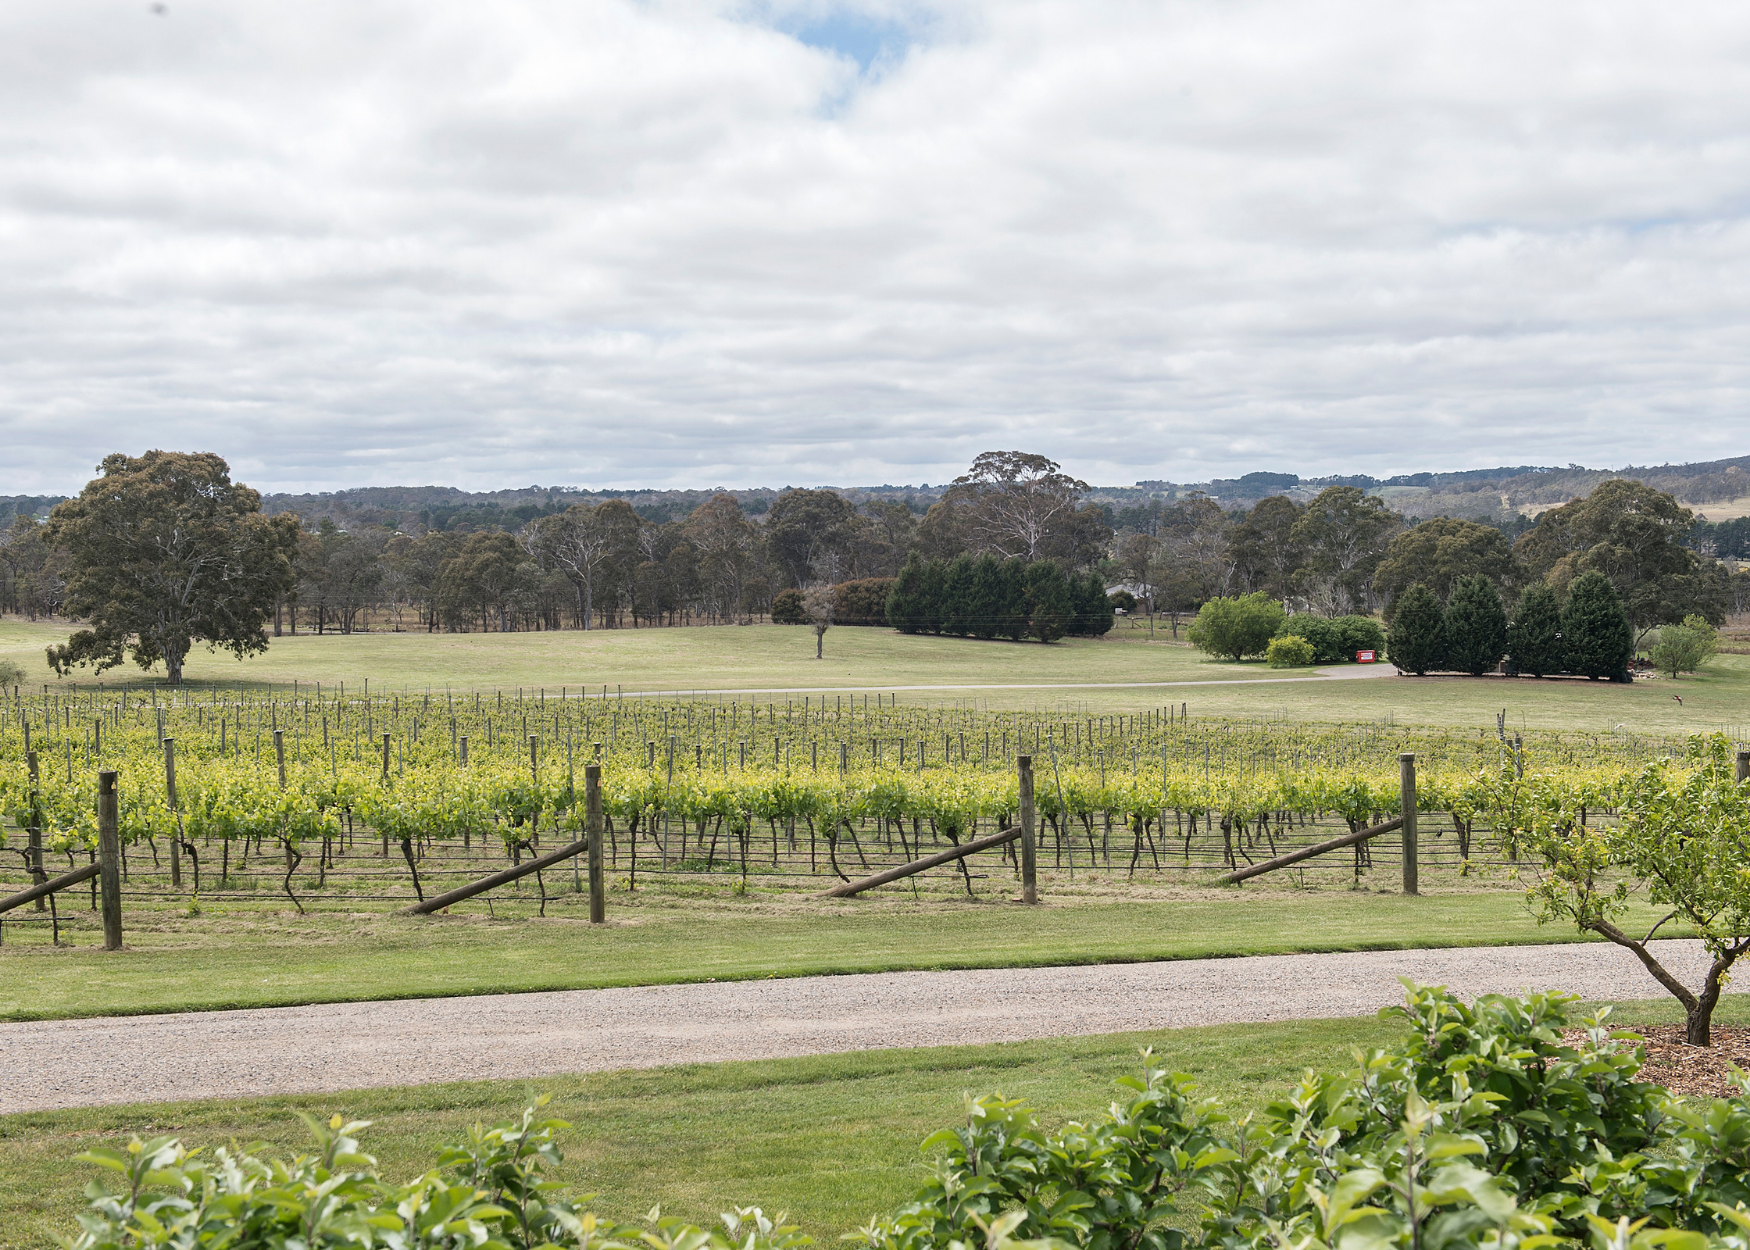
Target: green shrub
column 787, row 608
column 1323, row 634
column 1361, row 633
column 491, row 1192
column 1237, row 627
column 862, row 601
column 1289, row 651
column 11, row 673
column 1483, row 1128
column 1417, row 641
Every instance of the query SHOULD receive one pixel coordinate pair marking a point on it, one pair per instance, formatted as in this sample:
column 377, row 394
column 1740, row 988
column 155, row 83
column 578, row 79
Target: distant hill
column 1486, row 494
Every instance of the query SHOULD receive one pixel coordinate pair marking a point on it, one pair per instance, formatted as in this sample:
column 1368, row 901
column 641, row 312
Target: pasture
column 1123, row 672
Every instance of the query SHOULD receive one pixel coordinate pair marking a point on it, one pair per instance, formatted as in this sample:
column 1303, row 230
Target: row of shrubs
column 970, row 597
column 1256, row 624
column 985, row 597
column 1485, row 1127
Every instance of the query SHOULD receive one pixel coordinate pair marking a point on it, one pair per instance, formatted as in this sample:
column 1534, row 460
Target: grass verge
column 830, row 1139
column 263, row 957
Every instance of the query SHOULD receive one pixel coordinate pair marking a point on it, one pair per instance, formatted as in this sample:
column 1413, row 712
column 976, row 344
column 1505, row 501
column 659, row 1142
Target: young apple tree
column 1683, row 839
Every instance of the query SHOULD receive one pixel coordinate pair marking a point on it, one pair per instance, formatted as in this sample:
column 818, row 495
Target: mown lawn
column 1075, row 674
column 831, row 1139
column 260, row 956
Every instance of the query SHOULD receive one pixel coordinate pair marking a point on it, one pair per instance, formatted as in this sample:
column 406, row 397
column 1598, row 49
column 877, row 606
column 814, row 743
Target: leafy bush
column 1335, row 640
column 1237, row 627
column 489, row 1193
column 11, row 673
column 862, row 601
column 1595, row 631
column 1535, row 640
column 1360, row 633
column 1322, row 634
column 1122, row 601
column 1685, row 648
column 1288, row 651
column 1417, row 641
column 787, row 608
column 1483, row 1128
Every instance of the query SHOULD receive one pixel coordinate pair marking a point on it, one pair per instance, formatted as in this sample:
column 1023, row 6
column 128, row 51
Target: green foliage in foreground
column 1482, row 1128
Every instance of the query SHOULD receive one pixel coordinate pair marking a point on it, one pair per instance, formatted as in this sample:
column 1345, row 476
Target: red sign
column 1364, row 657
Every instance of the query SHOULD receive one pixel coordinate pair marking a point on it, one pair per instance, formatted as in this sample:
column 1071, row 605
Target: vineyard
column 335, row 798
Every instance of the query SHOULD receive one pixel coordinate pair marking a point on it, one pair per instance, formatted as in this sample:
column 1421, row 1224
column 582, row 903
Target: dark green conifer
column 1596, row 635
column 1476, row 626
column 1416, row 642
column 1535, row 640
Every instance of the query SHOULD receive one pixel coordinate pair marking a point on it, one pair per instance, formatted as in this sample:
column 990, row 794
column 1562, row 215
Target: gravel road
column 418, row 1041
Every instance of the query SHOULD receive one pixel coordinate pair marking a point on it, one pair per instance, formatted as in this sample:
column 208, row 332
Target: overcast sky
column 688, row 243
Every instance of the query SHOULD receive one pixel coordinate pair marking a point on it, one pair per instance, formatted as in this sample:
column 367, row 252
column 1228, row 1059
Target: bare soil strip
column 422, row 1041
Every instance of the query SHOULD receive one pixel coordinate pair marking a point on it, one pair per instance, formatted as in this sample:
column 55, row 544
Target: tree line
column 1346, row 552
column 165, row 524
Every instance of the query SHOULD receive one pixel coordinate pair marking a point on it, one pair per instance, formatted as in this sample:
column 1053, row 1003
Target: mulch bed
column 1703, row 1071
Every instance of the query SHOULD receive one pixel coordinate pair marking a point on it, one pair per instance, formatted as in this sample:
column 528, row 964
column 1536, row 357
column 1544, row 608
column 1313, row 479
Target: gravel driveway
column 418, row 1041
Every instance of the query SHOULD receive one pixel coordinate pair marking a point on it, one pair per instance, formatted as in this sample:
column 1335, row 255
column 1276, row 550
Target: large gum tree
column 165, row 551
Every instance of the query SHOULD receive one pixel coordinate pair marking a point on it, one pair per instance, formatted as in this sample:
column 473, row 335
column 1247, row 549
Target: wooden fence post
column 592, row 823
column 1029, row 850
column 109, row 859
column 1407, row 784
column 464, row 750
column 170, row 797
column 37, row 875
column 385, row 758
column 1744, row 766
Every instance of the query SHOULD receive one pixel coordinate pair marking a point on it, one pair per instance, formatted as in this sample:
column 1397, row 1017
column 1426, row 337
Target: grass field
column 1073, row 673
column 830, row 1139
column 260, row 957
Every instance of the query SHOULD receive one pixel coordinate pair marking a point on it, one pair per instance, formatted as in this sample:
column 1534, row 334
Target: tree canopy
column 1633, row 535
column 164, row 551
column 1237, row 626
column 1441, row 552
column 1344, row 532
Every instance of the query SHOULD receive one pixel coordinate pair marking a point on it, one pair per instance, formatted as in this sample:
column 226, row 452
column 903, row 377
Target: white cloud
column 612, row 242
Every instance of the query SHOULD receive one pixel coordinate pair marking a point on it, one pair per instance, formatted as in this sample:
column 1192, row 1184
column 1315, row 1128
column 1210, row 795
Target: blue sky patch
column 862, row 37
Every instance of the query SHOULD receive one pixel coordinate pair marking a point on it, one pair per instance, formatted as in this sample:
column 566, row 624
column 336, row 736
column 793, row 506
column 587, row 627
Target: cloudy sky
column 689, row 242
